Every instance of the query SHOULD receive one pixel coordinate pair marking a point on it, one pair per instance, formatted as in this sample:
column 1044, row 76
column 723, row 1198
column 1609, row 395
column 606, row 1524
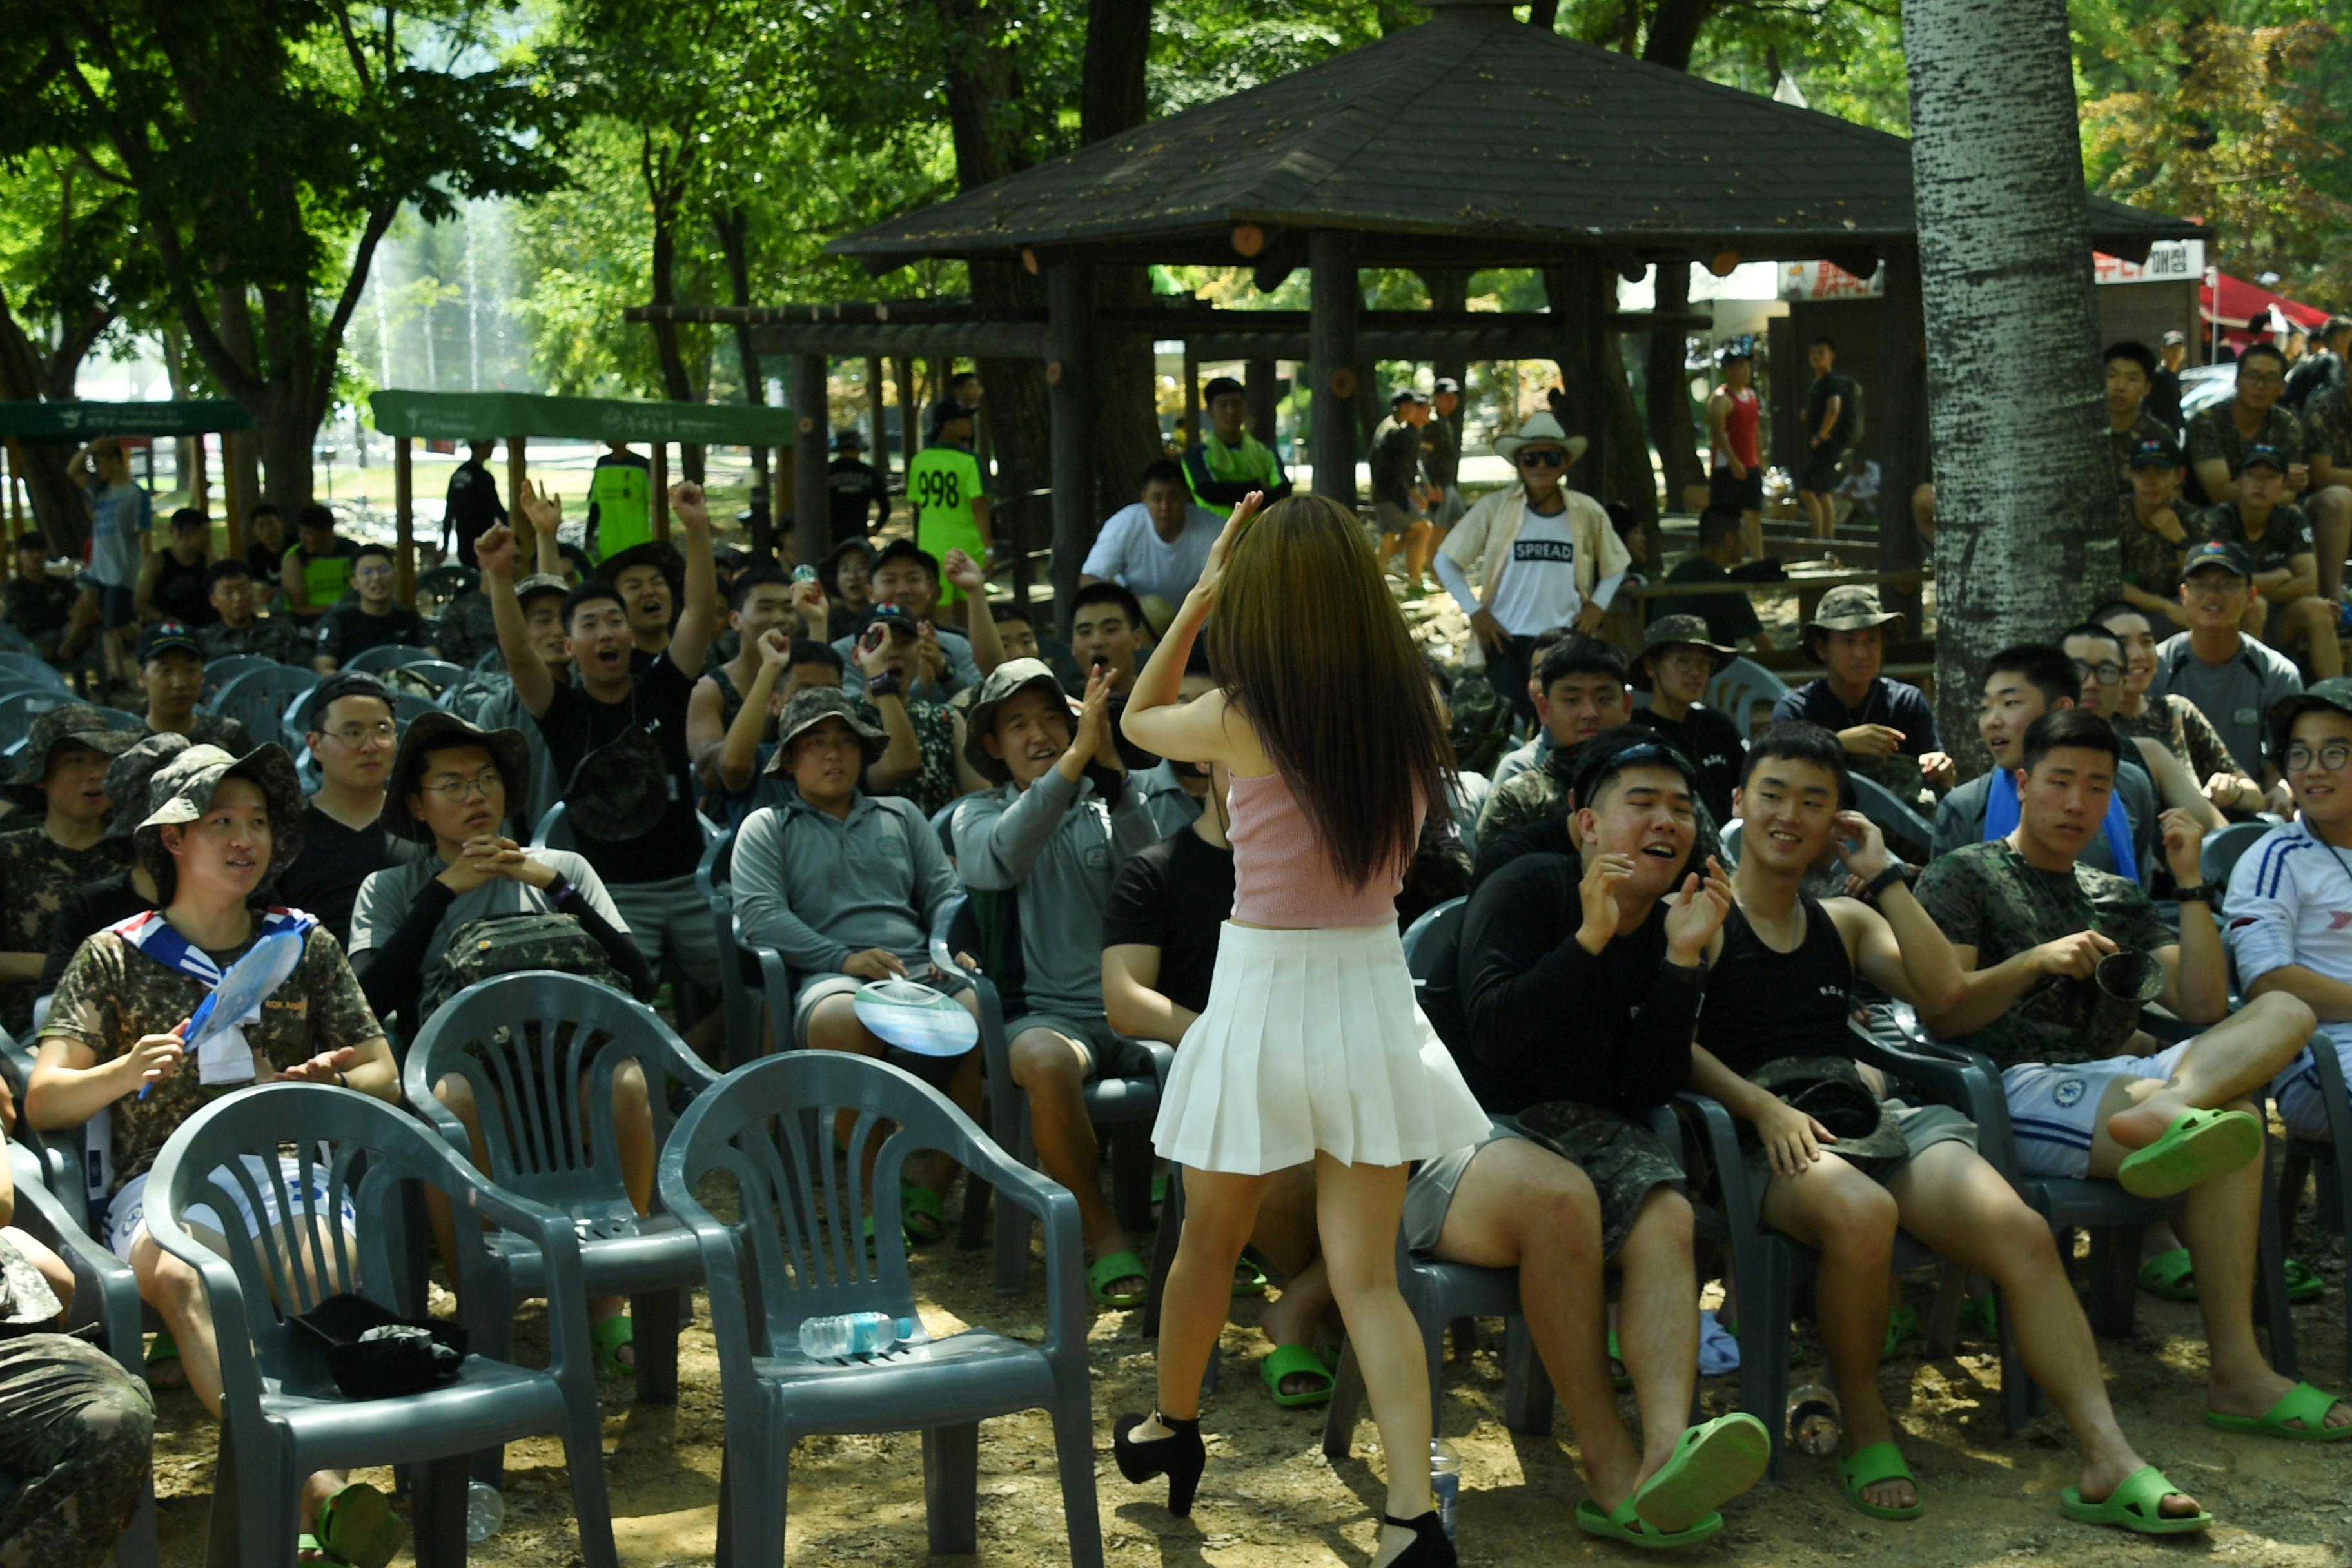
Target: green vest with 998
column 942, row 484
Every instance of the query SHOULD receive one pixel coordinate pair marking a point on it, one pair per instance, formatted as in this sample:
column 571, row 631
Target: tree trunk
column 2026, row 541
column 1629, row 478
column 665, row 188
column 1665, row 377
column 28, row 375
column 1120, row 384
column 734, row 229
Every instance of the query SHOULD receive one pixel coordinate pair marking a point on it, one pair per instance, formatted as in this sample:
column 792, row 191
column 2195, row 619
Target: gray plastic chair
column 740, row 983
column 282, row 1415
column 259, row 698
column 219, row 672
column 106, row 1294
column 2219, row 856
column 554, row 830
column 796, row 1253
column 532, row 1104
column 2328, row 1160
column 384, row 657
column 32, row 668
column 1738, row 686
column 1909, row 834
column 18, row 709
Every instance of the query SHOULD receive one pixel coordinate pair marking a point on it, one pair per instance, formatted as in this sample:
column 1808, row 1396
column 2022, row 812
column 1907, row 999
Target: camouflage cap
column 1005, row 682
column 1850, row 607
column 439, row 732
column 75, row 722
column 809, row 709
column 181, row 790
column 539, row 582
column 1676, row 631
column 2333, row 696
column 127, row 780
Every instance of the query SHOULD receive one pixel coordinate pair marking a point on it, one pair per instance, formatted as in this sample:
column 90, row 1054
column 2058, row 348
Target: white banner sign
column 2169, row 261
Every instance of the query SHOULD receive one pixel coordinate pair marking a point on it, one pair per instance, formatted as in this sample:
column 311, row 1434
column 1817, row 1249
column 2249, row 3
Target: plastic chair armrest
column 105, row 1290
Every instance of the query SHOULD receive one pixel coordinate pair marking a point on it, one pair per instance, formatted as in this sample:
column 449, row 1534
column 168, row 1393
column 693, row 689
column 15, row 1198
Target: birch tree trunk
column 2025, row 540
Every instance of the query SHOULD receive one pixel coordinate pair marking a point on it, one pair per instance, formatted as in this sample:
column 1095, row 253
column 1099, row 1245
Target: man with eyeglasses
column 2100, row 663
column 369, row 618
column 2288, row 894
column 2232, row 679
column 2021, row 684
column 349, row 724
column 2219, row 437
column 2276, row 536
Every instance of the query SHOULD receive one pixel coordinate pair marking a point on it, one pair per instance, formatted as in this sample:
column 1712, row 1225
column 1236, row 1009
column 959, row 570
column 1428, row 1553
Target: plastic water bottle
column 1444, row 1481
column 1814, row 1416
column 856, row 1334
column 485, row 1510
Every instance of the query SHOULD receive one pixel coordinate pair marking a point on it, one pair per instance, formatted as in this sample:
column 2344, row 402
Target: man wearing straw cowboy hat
column 1544, row 556
column 1886, row 727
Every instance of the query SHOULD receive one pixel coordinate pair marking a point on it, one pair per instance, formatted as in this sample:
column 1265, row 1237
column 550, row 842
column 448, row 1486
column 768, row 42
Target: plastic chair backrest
column 220, row 671
column 438, row 672
column 770, row 1128
column 1728, row 841
column 2220, row 853
column 554, row 831
column 1428, row 939
column 713, row 872
column 1887, row 809
column 384, row 656
column 943, row 824
column 1738, row 684
column 19, row 709
column 545, row 1104
column 260, row 698
column 32, row 668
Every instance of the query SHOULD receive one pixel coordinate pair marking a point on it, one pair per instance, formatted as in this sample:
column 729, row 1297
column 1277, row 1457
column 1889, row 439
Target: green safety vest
column 623, row 497
column 942, row 483
column 325, row 578
column 1219, row 476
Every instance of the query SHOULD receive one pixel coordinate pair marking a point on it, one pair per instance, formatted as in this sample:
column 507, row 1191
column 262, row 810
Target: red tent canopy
column 2240, row 301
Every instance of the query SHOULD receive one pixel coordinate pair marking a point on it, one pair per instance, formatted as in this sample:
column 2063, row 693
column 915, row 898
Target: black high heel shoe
column 1430, row 1548
column 1179, row 1456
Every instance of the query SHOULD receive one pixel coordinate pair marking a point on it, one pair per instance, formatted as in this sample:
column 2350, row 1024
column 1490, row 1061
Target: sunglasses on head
column 1543, row 458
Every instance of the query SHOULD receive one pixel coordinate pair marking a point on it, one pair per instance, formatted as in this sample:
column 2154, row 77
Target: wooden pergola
column 1472, row 142
column 78, row 422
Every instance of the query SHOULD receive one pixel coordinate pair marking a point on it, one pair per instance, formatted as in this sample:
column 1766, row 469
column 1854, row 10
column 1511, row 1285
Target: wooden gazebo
column 1472, row 141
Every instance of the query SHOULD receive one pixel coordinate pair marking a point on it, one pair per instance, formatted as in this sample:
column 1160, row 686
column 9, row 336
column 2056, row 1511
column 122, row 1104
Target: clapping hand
column 1696, row 913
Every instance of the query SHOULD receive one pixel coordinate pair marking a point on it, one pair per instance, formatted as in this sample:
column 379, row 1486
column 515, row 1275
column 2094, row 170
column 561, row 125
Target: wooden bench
column 1808, row 587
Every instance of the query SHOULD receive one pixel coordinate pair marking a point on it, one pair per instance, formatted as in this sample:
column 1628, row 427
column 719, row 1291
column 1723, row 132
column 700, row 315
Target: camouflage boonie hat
column 181, row 790
column 1675, row 631
column 529, row 588
column 1851, row 607
column 128, row 779
column 2333, row 695
column 439, row 732
column 1005, row 682
column 27, row 1305
column 76, row 721
column 807, row 710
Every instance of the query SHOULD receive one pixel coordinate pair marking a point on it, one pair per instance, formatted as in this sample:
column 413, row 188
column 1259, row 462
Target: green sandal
column 164, row 1352
column 1295, row 1361
column 2171, row 1276
column 2137, row 1506
column 921, row 1214
column 356, row 1526
column 1624, row 1525
column 1712, row 1463
column 2302, row 1403
column 1902, row 1323
column 1112, row 1266
column 1249, row 1279
column 608, row 1338
column 1983, row 1314
column 2197, row 1147
column 1866, row 1467
column 1619, row 1378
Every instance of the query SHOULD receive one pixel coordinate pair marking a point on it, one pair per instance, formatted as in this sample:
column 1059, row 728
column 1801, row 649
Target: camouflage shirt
column 2121, row 442
column 113, row 994
column 465, row 631
column 2175, row 721
column 2327, row 425
column 2213, row 434
column 2150, row 561
column 272, row 637
column 934, row 784
column 213, row 730
column 2286, row 533
column 1986, row 896
column 37, row 872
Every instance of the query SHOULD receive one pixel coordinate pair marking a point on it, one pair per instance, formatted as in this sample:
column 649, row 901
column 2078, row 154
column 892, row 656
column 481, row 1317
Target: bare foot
column 2137, row 1126
column 1865, row 1429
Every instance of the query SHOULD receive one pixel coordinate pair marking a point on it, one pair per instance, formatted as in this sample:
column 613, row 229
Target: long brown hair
column 1306, row 640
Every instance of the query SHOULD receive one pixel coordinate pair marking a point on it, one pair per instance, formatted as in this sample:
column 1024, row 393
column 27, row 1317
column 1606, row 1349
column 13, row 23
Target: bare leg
column 1657, row 1321
column 2233, row 1060
column 1520, row 1205
column 1284, row 1236
column 1051, row 1070
column 2312, row 623
column 1360, row 1208
column 1954, row 1202
column 1219, row 1210
column 2330, row 510
column 1419, row 542
column 1851, row 1218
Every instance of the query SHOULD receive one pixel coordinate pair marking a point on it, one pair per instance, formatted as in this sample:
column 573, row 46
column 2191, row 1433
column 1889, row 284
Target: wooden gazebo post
column 879, row 449
column 1257, row 390
column 1333, row 303
column 1903, row 412
column 1578, row 289
column 403, row 507
column 812, row 521
column 1069, row 303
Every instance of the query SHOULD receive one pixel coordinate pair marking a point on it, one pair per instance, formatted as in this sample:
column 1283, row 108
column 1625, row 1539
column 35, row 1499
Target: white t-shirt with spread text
column 1538, row 587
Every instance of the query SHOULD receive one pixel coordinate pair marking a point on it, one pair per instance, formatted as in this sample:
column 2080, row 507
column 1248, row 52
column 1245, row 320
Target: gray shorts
column 670, row 918
column 1923, row 1127
column 1109, row 1053
column 1429, row 1192
column 1390, row 518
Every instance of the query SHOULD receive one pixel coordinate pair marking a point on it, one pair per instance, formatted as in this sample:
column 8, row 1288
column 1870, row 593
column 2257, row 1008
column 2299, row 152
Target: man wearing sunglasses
column 2286, row 910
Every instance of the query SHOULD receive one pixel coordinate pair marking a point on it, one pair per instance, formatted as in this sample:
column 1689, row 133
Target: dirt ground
column 1270, row 1499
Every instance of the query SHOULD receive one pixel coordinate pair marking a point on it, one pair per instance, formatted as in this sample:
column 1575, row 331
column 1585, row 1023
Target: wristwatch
column 883, row 684
column 2197, row 893
column 1888, row 877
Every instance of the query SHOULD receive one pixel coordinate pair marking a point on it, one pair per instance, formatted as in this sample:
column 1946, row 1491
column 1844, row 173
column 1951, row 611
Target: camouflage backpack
column 465, row 630
column 1482, row 724
column 493, row 945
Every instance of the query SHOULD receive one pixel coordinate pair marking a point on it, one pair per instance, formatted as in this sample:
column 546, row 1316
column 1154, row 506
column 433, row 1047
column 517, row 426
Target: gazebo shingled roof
column 1523, row 144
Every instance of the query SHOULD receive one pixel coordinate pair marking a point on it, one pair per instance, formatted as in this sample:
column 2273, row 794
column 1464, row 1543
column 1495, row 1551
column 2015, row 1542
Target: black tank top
column 180, row 590
column 1762, row 1005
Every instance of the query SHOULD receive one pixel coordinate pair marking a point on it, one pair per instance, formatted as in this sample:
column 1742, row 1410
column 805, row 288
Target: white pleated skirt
column 1312, row 1041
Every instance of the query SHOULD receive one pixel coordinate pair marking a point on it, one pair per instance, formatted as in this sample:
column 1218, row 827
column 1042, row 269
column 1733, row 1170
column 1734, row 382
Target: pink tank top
column 1281, row 875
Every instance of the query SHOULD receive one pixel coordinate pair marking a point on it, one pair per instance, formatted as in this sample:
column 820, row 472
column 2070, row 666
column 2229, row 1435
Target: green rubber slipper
column 1249, row 1279
column 2171, row 1275
column 357, row 1526
column 1983, row 1314
column 1112, row 1268
column 608, row 1338
column 1619, row 1378
column 921, row 1214
column 2302, row 1403
column 2137, row 1506
column 1902, row 1323
column 1626, row 1526
column 1866, row 1467
column 1712, row 1463
column 2197, row 1147
column 1295, row 1361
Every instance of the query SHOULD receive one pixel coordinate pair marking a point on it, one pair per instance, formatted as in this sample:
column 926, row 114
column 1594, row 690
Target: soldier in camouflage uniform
column 2087, row 1092
column 172, row 669
column 80, row 1431
column 230, row 586
column 464, row 631
column 62, row 769
column 216, row 828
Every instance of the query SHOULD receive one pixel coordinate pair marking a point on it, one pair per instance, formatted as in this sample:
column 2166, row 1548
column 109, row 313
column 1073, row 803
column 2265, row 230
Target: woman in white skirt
column 1312, row 1047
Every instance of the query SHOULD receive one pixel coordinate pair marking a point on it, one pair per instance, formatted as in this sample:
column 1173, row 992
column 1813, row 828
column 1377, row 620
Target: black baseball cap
column 946, row 412
column 1221, row 386
column 1445, row 384
column 2216, row 553
column 2264, row 455
column 2154, row 452
column 168, row 637
column 1405, row 394
column 336, row 687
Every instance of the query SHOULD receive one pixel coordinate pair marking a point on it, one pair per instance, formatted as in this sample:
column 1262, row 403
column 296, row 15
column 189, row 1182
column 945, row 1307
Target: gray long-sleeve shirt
column 1060, row 843
column 817, row 889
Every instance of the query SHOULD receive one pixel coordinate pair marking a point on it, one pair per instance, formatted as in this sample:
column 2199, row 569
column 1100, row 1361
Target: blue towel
column 2000, row 821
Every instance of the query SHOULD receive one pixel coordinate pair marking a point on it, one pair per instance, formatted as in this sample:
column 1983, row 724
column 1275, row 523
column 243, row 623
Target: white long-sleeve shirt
column 2290, row 903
